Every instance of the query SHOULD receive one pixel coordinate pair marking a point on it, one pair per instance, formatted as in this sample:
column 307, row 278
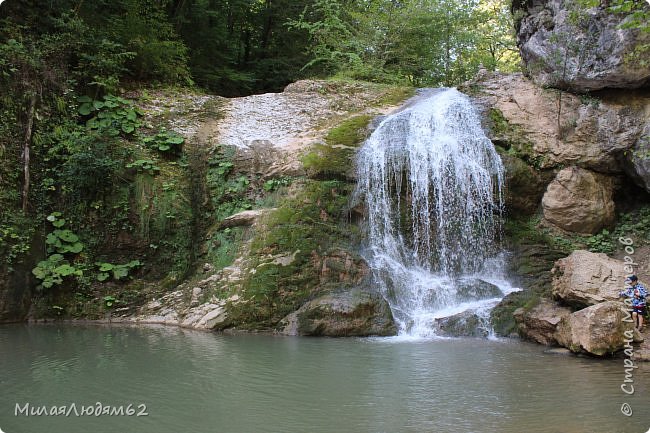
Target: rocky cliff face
column 566, row 45
column 550, row 128
column 574, row 139
column 293, row 266
column 254, row 224
column 574, row 303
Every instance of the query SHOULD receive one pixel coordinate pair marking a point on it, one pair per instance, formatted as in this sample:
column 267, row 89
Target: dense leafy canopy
column 241, row 46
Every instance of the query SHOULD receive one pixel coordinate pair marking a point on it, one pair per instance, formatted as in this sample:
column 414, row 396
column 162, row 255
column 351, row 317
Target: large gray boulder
column 464, row 324
column 598, row 330
column 354, row 312
column 585, row 278
column 567, row 46
column 579, row 201
column 472, row 289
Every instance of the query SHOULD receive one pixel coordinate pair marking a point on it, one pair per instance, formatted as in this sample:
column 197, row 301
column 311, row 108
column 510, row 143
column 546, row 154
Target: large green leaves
column 52, row 271
column 112, row 115
column 63, row 241
column 165, row 141
column 118, row 271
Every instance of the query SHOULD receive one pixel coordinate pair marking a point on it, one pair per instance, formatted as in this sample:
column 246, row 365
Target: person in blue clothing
column 637, row 293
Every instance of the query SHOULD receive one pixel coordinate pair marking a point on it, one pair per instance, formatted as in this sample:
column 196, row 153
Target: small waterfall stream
column 432, row 184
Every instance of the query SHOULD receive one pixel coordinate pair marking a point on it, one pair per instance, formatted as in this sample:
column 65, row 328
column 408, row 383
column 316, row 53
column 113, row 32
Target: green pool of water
column 201, row 382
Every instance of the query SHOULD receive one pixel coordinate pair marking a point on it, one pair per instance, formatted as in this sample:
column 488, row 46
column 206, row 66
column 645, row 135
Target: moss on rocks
column 287, row 252
column 343, row 314
column 513, row 139
column 333, row 159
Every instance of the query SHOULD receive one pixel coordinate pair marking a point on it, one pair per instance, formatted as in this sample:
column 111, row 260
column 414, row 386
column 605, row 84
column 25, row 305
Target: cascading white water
column 432, row 183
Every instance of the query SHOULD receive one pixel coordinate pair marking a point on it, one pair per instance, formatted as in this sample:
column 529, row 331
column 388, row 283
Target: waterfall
column 432, row 184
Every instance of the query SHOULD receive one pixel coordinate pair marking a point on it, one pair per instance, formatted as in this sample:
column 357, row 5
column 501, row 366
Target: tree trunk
column 268, row 28
column 26, row 149
column 560, row 133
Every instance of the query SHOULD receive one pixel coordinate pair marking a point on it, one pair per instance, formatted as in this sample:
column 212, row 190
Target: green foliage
column 110, row 300
column 165, row 142
column 601, row 242
column 56, row 267
column 637, row 14
column 637, row 17
column 53, row 270
column 635, row 224
column 144, row 166
column 112, row 116
column 106, row 270
column 239, row 47
column 78, row 164
column 145, row 28
column 223, row 246
column 530, row 231
column 12, row 243
column 275, row 183
column 16, row 233
column 61, row 241
column 104, row 65
column 382, row 40
column 332, row 44
column 227, row 190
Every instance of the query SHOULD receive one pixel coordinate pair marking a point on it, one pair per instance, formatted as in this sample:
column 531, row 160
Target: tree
column 426, row 42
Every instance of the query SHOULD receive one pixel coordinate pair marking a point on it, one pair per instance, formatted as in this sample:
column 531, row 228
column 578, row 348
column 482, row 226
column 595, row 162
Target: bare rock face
column 585, row 278
column 350, row 313
column 550, row 128
column 271, row 132
column 245, row 218
column 567, row 46
column 636, row 162
column 540, row 323
column 579, row 201
column 598, row 330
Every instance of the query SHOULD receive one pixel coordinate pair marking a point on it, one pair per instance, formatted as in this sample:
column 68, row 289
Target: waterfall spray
column 432, row 184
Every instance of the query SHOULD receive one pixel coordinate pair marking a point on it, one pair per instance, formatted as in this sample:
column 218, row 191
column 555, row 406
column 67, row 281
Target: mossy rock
column 334, row 158
column 525, row 186
column 286, row 250
column 465, row 324
column 346, row 313
column 502, row 317
column 512, row 138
